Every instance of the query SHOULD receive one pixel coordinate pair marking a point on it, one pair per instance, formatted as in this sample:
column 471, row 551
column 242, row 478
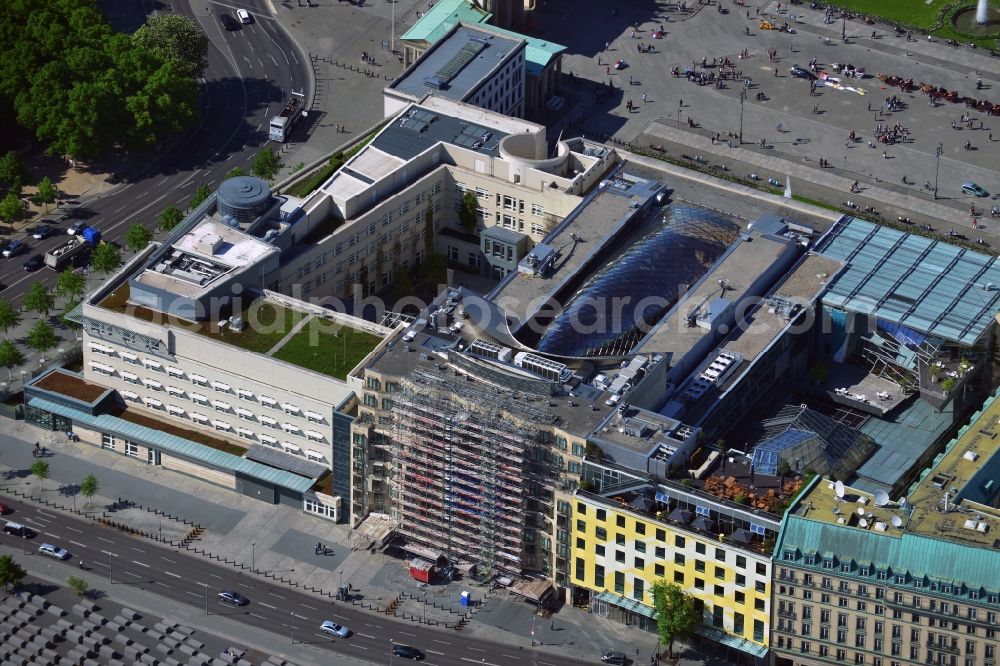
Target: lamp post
column 291, row 628
column 110, row 578
column 253, row 556
column 341, row 579
column 843, row 28
column 743, row 97
column 937, row 165
column 206, row 599
column 678, row 113
column 392, row 653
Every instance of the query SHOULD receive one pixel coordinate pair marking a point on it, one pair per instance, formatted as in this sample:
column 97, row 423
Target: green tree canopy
column 266, row 164
column 40, row 470
column 89, row 487
column 47, row 192
column 9, row 316
column 39, row 299
column 78, row 585
column 106, row 258
column 137, row 237
column 676, row 615
column 10, row 356
column 71, row 285
column 170, row 217
column 235, row 172
column 11, row 572
column 11, row 209
column 175, row 37
column 11, row 170
column 199, row 197
column 42, row 336
column 469, row 211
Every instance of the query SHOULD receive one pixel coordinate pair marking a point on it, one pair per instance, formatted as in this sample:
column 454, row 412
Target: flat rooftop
column 418, row 128
column 457, row 64
column 70, row 384
column 743, row 264
column 926, row 285
column 592, row 224
column 641, row 430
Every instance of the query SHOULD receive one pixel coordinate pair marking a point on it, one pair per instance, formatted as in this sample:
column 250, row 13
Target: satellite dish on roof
column 881, row 498
column 838, row 489
column 863, row 523
column 896, row 521
column 861, row 511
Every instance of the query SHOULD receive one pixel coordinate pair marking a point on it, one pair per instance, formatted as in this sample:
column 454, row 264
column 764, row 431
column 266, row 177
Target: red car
column 4, row 509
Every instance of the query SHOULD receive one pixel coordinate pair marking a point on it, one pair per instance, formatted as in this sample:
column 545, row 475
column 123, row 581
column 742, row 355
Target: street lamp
column 341, row 579
column 253, row 555
column 743, row 97
column 937, row 165
column 843, row 29
column 392, row 653
column 291, row 628
column 679, row 112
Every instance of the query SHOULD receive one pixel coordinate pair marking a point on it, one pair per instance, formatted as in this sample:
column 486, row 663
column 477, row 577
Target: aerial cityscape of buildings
column 790, row 413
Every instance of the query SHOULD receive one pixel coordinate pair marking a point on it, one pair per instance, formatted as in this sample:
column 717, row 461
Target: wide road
column 195, row 582
column 251, row 72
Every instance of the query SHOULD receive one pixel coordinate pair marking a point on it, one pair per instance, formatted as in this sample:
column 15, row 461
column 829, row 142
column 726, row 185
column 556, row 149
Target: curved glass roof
column 611, row 312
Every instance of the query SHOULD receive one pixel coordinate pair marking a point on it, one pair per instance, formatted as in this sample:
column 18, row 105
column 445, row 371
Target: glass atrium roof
column 613, row 309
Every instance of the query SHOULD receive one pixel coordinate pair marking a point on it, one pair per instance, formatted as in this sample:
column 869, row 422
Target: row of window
column 932, row 654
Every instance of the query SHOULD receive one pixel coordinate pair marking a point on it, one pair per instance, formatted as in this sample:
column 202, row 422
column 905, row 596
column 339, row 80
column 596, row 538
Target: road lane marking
column 408, row 634
column 215, row 576
column 129, row 573
column 77, row 543
column 259, row 616
column 193, row 594
column 261, row 603
column 58, row 537
column 163, row 584
column 202, row 584
column 308, row 606
column 301, row 617
column 73, row 529
column 170, row 573
column 436, row 652
column 45, row 514
column 442, row 642
column 105, row 540
column 510, row 656
column 547, row 663
column 477, row 649
column 141, row 564
column 37, row 521
column 360, row 647
column 138, row 549
column 249, row 587
column 365, row 635
column 166, row 560
column 478, row 661
column 277, row 595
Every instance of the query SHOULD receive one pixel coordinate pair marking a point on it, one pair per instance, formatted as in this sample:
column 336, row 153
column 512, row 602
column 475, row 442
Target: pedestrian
column 885, row 155
column 607, row 45
column 630, row 79
column 775, row 71
column 643, row 98
column 607, row 69
column 991, row 137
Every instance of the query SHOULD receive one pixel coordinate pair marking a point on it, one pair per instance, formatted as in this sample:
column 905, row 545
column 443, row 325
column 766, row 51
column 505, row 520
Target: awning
column 152, row 383
column 271, row 402
column 101, row 348
column 291, row 427
column 129, row 395
column 201, row 418
column 267, row 420
column 313, row 416
column 244, row 412
column 311, row 453
column 129, row 356
column 731, row 641
column 222, row 425
column 128, row 376
column 101, row 367
column 220, row 386
column 174, row 372
column 627, row 604
column 199, row 378
column 174, row 409
column 198, row 397
column 312, row 434
column 740, row 535
column 243, row 393
column 150, row 363
column 288, row 407
column 705, row 524
column 290, row 447
column 153, row 402
column 219, row 404
column 267, row 439
column 246, row 433
column 680, row 516
column 532, row 589
column 173, row 390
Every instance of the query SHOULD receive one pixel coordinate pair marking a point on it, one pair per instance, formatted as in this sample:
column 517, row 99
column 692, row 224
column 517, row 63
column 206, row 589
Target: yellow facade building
column 638, row 531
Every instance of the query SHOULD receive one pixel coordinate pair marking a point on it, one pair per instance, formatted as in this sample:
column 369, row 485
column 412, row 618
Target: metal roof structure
column 418, row 129
column 179, row 446
column 922, row 284
column 502, row 234
column 457, row 64
column 442, row 17
column 537, row 54
column 280, row 459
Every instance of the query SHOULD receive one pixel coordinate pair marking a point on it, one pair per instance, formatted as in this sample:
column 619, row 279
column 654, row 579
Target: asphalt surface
column 251, row 72
column 194, row 583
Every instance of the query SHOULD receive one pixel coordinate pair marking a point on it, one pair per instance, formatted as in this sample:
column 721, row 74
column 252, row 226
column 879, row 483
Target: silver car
column 53, row 551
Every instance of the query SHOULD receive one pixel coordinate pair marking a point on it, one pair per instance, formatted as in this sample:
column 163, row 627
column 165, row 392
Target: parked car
column 4, row 509
column 232, row 598
column 17, row 529
column 42, row 231
column 14, row 247
column 407, row 652
column 244, row 16
column 228, row 22
column 34, row 263
column 53, row 551
column 76, row 227
column 331, row 627
column 614, row 658
column 974, row 190
column 801, row 72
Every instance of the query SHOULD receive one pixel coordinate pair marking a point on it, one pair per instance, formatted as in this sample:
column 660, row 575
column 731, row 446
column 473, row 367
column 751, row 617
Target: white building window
column 291, row 448
column 131, row 449
column 101, row 349
column 314, row 436
column 246, row 434
column 537, row 210
column 268, row 402
column 129, row 357
column 153, row 384
column 199, row 398
column 314, row 417
column 174, row 372
column 267, row 439
column 152, row 365
column 291, row 428
column 314, row 454
column 130, row 395
column 199, row 380
column 244, row 414
column 269, row 422
column 153, row 403
column 107, row 441
column 173, row 390
column 102, row 369
column 245, row 394
column 130, row 377
column 222, row 387
column 200, row 418
column 221, row 406
column 174, row 409
column 290, row 408
column 222, row 425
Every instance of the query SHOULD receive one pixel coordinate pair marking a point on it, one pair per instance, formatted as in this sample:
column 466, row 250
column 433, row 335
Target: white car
column 53, row 551
column 331, row 627
column 244, row 16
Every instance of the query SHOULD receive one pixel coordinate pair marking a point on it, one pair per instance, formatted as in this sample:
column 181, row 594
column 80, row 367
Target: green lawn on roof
column 265, row 324
column 321, row 349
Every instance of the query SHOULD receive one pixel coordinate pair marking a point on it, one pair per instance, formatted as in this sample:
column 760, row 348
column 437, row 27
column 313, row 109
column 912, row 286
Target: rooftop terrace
column 72, row 385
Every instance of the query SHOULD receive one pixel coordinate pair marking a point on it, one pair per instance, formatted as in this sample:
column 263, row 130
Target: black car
column 228, row 22
column 41, row 231
column 801, row 73
column 232, row 598
column 33, row 264
column 19, row 530
column 407, row 652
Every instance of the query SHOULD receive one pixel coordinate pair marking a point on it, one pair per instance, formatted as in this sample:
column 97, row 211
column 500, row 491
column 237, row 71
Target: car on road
column 331, row 627
column 4, row 509
column 407, row 652
column 42, row 231
column 614, row 658
column 232, row 598
column 228, row 22
column 14, row 247
column 974, row 190
column 244, row 16
column 17, row 529
column 801, row 72
column 34, row 263
column 76, row 227
column 53, row 551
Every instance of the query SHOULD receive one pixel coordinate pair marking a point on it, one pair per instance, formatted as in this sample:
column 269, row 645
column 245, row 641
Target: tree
column 266, row 164
column 676, row 615
column 42, row 336
column 9, row 316
column 236, row 172
column 170, row 217
column 11, row 209
column 10, row 356
column 137, row 237
column 175, row 37
column 469, row 211
column 11, row 572
column 78, row 585
column 40, row 470
column 106, row 258
column 11, row 170
column 199, row 197
column 47, row 192
column 39, row 299
column 429, row 229
column 71, row 285
column 89, row 487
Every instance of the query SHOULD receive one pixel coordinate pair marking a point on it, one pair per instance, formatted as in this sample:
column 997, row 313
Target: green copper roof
column 537, row 53
column 433, row 25
column 178, row 445
column 938, row 559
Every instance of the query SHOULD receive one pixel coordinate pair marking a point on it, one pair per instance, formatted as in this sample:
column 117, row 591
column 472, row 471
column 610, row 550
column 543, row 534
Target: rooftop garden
column 71, row 385
column 216, row 443
column 331, row 352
